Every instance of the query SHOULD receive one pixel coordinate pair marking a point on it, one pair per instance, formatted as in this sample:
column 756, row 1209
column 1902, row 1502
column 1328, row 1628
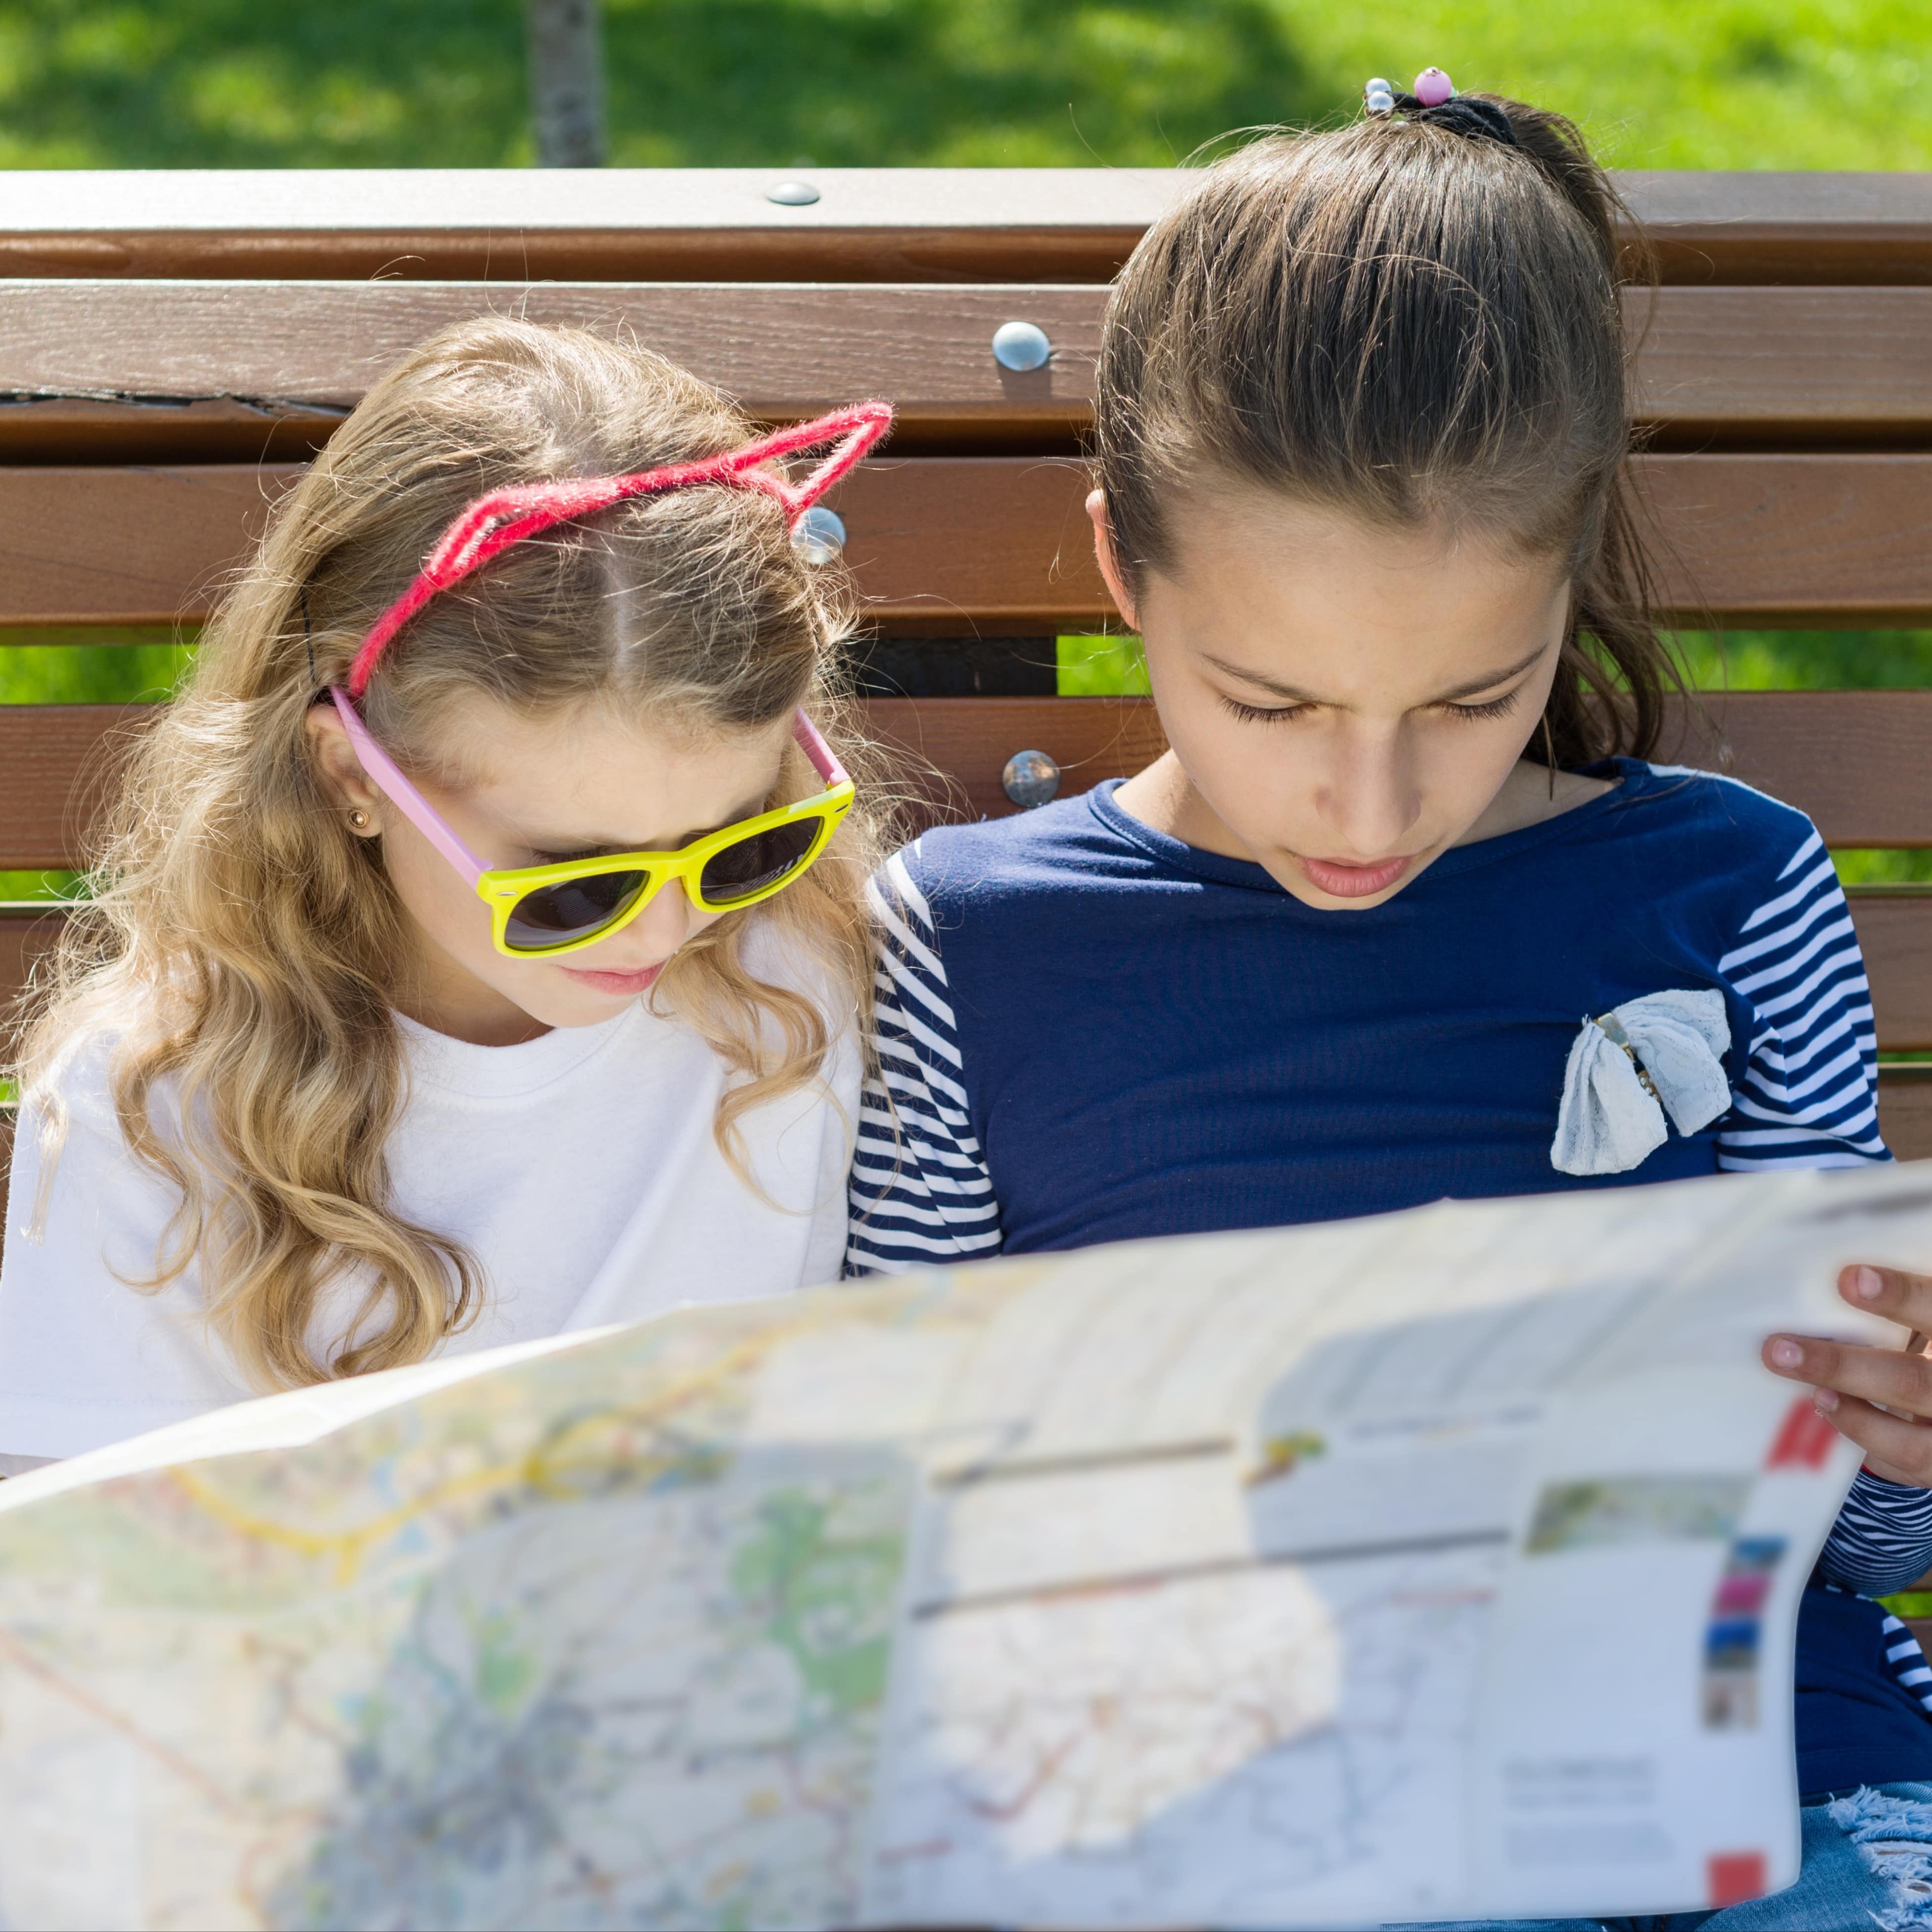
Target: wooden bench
column 173, row 347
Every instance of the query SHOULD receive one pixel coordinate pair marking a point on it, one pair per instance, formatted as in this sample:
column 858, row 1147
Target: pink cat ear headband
column 1436, row 104
column 546, row 910
column 493, row 523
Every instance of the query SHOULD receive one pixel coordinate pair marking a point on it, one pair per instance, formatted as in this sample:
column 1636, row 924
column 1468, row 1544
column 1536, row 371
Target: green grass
column 1101, row 667
column 1807, row 660
column 384, row 83
column 1823, row 661
column 1730, row 661
column 128, row 666
column 1663, row 84
column 50, row 667
column 38, row 885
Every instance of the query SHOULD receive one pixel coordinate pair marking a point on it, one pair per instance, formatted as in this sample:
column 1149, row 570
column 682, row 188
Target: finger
column 1877, row 1374
column 1903, row 1446
column 1904, row 1298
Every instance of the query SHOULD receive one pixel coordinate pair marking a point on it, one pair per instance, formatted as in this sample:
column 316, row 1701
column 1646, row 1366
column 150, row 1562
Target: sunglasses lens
column 557, row 914
column 754, row 863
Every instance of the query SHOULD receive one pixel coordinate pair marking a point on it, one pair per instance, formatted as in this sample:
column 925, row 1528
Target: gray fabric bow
column 1662, row 1051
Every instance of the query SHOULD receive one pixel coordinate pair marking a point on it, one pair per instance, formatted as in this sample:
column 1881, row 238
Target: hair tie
column 1435, row 104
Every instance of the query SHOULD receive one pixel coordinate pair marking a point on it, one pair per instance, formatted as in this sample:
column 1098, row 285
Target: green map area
column 515, row 1654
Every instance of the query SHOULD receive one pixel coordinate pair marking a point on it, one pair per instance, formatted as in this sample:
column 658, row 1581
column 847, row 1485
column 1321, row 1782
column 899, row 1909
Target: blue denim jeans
column 1867, row 1863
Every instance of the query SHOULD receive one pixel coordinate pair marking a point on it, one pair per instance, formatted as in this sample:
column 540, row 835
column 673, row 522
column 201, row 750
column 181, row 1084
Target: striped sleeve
column 920, row 1190
column 1906, row 1661
column 1883, row 1539
column 1809, row 1096
column 1882, row 1542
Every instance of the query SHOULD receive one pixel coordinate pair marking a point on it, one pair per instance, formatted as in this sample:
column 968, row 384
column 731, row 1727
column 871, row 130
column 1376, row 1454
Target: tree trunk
column 566, row 83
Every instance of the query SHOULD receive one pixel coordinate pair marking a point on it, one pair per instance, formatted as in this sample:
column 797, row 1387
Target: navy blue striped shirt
column 1089, row 1031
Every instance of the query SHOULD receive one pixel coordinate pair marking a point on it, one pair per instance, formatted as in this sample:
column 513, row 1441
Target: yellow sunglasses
column 546, row 910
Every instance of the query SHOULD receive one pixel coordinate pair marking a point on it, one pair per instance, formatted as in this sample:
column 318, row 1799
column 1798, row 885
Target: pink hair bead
column 1433, row 87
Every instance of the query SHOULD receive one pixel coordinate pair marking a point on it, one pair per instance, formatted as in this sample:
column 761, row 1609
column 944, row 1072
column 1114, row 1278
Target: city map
column 1233, row 1580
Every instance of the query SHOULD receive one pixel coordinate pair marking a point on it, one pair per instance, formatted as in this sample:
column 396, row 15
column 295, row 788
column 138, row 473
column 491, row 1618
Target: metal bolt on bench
column 820, row 535
column 1022, row 346
column 1030, row 779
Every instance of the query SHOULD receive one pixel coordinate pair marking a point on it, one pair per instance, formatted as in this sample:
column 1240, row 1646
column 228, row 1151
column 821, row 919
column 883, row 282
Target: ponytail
column 1411, row 320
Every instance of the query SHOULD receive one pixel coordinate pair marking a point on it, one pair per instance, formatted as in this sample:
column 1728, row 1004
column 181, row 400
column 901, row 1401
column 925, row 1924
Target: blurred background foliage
column 1010, row 83
column 793, row 83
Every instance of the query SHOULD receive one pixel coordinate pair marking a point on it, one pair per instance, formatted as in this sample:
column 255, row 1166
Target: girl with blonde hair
column 477, row 952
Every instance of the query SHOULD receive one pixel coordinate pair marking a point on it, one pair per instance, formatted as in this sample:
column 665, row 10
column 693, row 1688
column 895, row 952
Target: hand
column 1852, row 1378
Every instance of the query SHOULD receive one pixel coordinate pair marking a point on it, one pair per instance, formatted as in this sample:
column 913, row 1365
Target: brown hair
column 239, row 948
column 1405, row 322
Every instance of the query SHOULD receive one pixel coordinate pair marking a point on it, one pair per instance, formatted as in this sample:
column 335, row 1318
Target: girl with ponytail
column 1408, row 909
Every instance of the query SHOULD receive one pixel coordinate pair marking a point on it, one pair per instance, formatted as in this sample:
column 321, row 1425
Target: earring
column 358, row 819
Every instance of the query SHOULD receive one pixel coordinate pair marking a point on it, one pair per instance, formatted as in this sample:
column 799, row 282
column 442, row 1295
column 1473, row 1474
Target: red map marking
column 1803, row 1440
column 1732, row 1877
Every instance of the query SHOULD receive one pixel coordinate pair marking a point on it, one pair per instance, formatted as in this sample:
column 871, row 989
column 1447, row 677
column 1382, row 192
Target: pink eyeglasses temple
column 426, row 820
column 493, row 523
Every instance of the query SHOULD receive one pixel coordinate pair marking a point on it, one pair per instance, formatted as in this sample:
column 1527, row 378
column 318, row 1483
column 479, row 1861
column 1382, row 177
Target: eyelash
column 1256, row 714
column 1497, row 707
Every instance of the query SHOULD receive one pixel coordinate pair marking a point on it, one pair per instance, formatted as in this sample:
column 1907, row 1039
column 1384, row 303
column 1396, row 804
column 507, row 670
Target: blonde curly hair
column 238, row 946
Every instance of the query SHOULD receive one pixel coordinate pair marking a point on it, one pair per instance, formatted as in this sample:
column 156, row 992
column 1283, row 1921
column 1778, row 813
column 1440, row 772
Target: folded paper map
column 1437, row 1566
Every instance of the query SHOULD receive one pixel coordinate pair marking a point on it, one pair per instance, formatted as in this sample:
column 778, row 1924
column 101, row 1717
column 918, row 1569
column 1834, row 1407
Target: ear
column 1103, row 553
column 342, row 777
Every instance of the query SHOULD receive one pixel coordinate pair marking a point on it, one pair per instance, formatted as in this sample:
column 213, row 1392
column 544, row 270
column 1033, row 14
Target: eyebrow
column 567, row 853
column 1469, row 687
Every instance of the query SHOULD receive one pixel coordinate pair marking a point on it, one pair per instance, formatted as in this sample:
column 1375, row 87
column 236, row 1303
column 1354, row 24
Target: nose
column 655, row 934
column 1371, row 798
column 665, row 924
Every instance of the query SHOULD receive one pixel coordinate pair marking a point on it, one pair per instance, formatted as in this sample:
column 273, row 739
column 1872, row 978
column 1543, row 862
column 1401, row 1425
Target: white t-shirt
column 579, row 1170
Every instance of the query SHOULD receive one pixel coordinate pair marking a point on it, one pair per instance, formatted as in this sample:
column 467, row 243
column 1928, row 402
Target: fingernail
column 1865, row 1283
column 1824, row 1401
column 1786, row 1355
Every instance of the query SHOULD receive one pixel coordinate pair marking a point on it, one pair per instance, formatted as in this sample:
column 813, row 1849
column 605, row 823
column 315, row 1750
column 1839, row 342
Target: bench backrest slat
column 1801, row 364
column 945, row 545
column 869, row 224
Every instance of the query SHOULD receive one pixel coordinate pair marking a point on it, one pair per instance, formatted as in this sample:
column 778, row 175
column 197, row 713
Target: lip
column 623, row 986
column 1342, row 879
